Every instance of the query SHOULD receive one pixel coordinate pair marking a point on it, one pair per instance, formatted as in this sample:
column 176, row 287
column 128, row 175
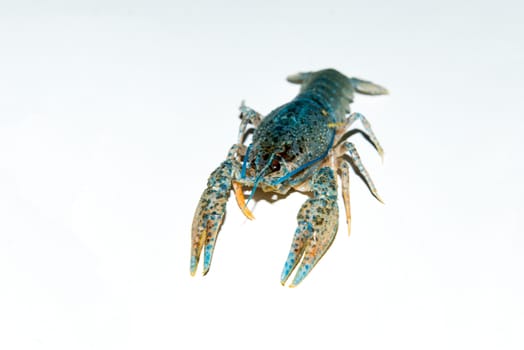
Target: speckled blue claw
column 210, row 214
column 317, row 228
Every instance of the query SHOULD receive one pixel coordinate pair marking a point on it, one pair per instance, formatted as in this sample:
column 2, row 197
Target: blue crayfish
column 301, row 145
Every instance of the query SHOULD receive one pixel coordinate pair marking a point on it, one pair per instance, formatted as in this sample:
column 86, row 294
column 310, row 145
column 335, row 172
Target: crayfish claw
column 317, row 228
column 209, row 215
column 302, row 236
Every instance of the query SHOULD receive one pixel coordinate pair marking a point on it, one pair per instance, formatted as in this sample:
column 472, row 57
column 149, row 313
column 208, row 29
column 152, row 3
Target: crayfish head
column 271, row 162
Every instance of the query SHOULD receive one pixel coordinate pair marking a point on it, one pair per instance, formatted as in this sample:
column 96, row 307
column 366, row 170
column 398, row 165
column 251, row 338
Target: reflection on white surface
column 113, row 114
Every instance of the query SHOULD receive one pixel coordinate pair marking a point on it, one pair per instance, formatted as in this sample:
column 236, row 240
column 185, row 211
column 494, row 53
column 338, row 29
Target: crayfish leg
column 241, row 201
column 344, row 167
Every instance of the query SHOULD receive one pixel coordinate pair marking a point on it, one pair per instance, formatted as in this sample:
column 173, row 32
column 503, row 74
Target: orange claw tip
column 247, row 213
column 193, row 266
column 241, row 201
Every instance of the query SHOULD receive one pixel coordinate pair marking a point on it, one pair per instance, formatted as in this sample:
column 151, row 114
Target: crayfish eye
column 275, row 165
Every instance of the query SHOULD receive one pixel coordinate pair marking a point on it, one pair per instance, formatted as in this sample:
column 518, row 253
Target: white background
column 113, row 114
